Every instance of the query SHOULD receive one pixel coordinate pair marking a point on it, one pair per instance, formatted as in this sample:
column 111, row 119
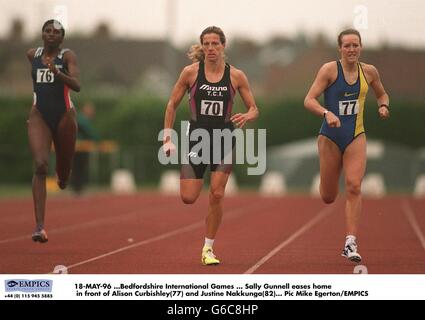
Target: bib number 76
column 45, row 76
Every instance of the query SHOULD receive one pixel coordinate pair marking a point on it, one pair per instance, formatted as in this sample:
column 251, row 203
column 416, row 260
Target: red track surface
column 258, row 235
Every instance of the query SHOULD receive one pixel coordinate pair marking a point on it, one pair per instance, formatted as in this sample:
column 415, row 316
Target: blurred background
column 130, row 54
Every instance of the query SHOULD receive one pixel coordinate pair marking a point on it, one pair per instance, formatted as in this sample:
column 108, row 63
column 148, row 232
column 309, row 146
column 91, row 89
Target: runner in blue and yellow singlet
column 342, row 139
column 347, row 101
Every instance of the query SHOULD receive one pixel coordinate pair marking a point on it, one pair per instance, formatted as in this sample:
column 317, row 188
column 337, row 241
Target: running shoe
column 208, row 257
column 62, row 184
column 40, row 236
column 350, row 252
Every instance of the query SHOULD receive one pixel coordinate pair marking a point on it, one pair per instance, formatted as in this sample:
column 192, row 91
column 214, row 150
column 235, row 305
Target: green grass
column 15, row 191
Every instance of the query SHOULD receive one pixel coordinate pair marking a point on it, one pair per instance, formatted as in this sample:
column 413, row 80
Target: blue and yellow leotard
column 347, row 103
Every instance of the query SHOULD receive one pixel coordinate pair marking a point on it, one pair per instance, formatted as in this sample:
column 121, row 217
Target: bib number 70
column 211, row 108
column 349, row 107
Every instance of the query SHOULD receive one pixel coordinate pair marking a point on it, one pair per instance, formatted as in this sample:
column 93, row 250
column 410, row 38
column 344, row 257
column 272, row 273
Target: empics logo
column 24, row 285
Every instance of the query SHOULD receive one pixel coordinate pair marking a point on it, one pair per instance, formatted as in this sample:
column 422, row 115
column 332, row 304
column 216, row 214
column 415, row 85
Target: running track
column 147, row 233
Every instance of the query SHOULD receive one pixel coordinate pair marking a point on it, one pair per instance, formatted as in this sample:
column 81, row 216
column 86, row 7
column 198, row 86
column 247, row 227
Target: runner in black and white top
column 212, row 84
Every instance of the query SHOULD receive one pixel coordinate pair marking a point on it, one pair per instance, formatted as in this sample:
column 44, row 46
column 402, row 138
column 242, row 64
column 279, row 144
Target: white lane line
column 88, row 224
column 15, row 239
column 323, row 213
column 413, row 222
column 229, row 214
column 141, row 243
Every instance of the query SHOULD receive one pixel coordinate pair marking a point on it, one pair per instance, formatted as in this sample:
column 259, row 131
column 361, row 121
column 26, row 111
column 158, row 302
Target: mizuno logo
column 211, row 88
column 347, row 94
column 192, row 154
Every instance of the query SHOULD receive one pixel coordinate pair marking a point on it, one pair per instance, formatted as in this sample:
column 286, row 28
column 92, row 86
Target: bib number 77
column 349, row 107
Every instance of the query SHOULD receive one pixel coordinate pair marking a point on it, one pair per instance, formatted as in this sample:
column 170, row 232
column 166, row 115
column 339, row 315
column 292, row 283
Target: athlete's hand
column 239, row 119
column 169, row 148
column 383, row 112
column 332, row 120
column 51, row 65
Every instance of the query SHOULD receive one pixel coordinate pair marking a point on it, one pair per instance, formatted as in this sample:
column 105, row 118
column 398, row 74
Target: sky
column 396, row 22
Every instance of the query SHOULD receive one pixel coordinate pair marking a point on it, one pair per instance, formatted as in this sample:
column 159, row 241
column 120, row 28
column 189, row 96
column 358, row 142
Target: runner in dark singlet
column 212, row 84
column 211, row 106
column 52, row 115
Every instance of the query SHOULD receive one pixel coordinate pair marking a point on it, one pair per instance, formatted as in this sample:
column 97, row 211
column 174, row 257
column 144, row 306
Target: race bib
column 211, row 108
column 349, row 107
column 45, row 76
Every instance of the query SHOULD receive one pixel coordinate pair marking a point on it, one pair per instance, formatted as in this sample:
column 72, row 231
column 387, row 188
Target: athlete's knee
column 41, row 167
column 216, row 194
column 188, row 198
column 353, row 187
column 328, row 199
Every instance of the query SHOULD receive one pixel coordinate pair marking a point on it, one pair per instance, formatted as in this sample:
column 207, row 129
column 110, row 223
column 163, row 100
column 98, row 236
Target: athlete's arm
column 30, row 54
column 311, row 102
column 71, row 78
column 177, row 94
column 381, row 96
column 239, row 119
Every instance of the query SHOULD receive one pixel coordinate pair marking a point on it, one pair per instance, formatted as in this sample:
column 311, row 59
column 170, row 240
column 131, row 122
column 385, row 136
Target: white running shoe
column 350, row 252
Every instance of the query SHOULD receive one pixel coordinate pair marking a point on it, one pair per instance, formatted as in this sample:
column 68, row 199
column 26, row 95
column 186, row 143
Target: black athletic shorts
column 221, row 151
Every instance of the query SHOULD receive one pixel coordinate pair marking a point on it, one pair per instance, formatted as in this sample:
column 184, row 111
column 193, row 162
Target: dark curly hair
column 56, row 25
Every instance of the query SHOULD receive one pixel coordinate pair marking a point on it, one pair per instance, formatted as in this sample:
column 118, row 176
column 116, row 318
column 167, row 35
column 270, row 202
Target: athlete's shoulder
column 328, row 71
column 189, row 74
column 330, row 66
column 370, row 70
column 194, row 67
column 68, row 53
column 31, row 53
column 190, row 70
column 238, row 78
column 235, row 70
column 368, row 67
column 237, row 73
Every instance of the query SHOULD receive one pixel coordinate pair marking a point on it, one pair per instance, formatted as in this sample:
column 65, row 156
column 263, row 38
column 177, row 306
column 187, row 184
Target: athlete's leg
column 215, row 214
column 190, row 189
column 215, row 209
column 40, row 141
column 354, row 166
column 330, row 168
column 191, row 181
column 64, row 139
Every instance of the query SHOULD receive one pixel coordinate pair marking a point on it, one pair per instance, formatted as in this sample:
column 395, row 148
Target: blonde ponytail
column 196, row 53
